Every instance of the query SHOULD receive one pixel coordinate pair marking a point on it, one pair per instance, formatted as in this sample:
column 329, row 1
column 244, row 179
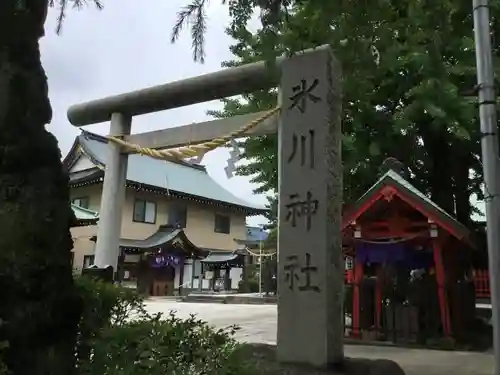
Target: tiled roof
column 399, row 180
column 157, row 239
column 254, row 237
column 84, row 213
column 220, row 257
column 179, row 177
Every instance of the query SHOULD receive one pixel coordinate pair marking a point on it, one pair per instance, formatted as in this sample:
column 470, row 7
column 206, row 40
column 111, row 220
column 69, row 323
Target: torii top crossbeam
column 212, row 86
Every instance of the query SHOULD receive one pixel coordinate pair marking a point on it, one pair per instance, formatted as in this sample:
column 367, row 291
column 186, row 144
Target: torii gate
column 310, row 262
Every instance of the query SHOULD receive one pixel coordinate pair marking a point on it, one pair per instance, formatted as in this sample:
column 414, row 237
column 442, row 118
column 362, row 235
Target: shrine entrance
column 407, row 264
column 396, row 296
column 162, row 279
column 219, row 267
column 156, row 265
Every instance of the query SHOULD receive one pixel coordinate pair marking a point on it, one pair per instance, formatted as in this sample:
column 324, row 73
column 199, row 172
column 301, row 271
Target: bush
column 118, row 337
column 159, row 346
column 104, row 305
column 252, row 286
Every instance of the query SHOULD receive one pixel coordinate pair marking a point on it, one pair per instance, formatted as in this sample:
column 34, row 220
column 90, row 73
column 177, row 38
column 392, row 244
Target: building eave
column 375, row 193
column 79, row 148
column 164, row 236
column 249, row 211
column 98, row 179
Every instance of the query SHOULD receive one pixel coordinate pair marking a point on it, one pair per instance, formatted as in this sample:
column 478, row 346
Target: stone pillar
column 311, row 266
column 107, row 247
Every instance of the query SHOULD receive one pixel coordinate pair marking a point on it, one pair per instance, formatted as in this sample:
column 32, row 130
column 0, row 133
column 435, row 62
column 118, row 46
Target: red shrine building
column 408, row 266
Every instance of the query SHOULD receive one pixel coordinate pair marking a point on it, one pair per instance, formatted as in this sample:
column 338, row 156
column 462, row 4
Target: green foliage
column 170, row 345
column 118, row 337
column 107, row 303
column 408, row 76
column 62, row 6
column 104, row 305
column 252, row 286
column 272, row 239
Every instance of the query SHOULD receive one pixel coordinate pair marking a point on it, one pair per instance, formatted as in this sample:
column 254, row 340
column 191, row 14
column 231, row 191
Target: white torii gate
column 311, row 267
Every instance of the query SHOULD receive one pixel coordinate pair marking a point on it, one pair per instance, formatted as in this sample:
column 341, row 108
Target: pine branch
column 62, row 5
column 194, row 16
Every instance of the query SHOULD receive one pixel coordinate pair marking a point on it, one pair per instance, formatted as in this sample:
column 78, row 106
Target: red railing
column 482, row 283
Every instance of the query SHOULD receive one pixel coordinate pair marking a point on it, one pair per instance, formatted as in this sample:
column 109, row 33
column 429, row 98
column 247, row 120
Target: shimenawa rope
column 192, row 150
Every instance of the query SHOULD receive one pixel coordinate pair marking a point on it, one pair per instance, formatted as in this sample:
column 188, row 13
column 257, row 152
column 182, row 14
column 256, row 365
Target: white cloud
column 127, row 47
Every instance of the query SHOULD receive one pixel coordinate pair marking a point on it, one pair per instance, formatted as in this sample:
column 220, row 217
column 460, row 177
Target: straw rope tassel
column 192, row 150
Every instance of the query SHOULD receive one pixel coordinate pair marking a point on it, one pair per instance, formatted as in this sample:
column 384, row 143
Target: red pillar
column 440, row 278
column 358, row 277
column 378, row 296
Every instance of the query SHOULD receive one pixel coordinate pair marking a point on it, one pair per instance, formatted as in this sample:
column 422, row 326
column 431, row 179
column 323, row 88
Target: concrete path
column 258, row 325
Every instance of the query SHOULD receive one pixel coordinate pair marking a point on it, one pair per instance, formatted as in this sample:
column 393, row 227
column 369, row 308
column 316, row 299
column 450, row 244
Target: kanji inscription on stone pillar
column 311, row 266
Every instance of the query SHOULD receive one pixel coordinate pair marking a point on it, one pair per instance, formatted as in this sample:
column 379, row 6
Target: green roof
column 403, row 186
column 84, row 213
column 399, row 180
column 182, row 177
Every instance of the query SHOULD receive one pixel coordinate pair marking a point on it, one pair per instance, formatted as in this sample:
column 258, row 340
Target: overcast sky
column 126, row 47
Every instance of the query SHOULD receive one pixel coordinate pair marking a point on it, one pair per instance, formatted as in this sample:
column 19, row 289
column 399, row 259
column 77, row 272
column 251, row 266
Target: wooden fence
column 481, row 282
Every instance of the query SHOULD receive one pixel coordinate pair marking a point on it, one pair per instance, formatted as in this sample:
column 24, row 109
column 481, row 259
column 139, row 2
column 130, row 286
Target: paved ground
column 258, row 324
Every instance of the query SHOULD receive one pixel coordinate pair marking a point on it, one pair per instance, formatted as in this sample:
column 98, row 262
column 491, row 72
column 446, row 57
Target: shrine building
column 408, row 267
column 176, row 218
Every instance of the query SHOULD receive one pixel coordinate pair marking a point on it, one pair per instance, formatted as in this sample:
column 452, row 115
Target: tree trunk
column 440, row 174
column 40, row 309
column 440, row 181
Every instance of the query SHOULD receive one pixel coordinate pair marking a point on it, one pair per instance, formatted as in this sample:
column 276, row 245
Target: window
column 144, row 211
column 88, row 260
column 81, row 202
column 177, row 215
column 222, row 224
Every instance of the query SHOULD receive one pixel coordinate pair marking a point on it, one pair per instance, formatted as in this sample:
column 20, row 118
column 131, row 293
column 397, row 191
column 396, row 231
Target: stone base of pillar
column 265, row 355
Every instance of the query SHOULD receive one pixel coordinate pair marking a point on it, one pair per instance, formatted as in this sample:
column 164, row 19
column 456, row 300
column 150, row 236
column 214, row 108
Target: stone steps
column 229, row 299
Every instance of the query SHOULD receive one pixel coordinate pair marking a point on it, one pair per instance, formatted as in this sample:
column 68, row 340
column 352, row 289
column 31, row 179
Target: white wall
column 235, row 276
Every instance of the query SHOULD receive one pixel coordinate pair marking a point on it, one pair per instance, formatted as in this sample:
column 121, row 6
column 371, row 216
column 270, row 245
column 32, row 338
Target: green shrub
column 106, row 302
column 251, row 286
column 118, row 337
column 104, row 305
column 162, row 346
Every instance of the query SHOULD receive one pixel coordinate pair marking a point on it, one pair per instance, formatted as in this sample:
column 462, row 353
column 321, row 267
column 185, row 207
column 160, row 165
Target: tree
column 40, row 307
column 409, row 71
